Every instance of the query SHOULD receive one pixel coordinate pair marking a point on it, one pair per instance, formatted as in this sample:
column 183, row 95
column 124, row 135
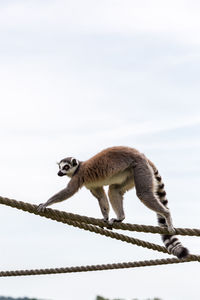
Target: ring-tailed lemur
column 121, row 168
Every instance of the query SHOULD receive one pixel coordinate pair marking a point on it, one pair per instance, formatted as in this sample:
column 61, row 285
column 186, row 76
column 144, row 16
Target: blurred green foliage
column 102, row 298
column 10, row 298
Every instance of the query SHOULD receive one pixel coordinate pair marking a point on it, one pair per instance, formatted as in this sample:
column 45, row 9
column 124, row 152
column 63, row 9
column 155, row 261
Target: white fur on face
column 62, row 165
column 71, row 169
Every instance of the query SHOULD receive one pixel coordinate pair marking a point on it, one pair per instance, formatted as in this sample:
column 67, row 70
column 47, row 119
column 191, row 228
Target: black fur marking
column 161, row 194
column 74, row 162
column 77, row 169
column 167, row 244
column 165, row 202
column 184, row 253
column 156, row 172
column 174, row 239
column 165, row 237
column 161, row 221
column 158, row 178
column 161, row 186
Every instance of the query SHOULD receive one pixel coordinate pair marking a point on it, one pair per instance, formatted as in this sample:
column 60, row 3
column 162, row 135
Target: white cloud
column 151, row 127
column 136, row 16
column 177, row 18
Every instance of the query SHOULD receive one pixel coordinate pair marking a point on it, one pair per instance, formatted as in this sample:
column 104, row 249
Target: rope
column 60, row 216
column 57, row 215
column 97, row 226
column 123, row 265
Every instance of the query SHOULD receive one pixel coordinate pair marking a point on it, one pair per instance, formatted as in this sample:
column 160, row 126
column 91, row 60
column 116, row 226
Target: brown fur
column 121, row 168
column 107, row 163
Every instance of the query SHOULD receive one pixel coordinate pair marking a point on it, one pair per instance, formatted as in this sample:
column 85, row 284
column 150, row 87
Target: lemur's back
column 109, row 163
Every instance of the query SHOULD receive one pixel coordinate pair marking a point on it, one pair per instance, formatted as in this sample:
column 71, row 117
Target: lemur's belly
column 115, row 179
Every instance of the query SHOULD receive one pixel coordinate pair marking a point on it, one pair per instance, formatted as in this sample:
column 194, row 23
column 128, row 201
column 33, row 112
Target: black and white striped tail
column 171, row 242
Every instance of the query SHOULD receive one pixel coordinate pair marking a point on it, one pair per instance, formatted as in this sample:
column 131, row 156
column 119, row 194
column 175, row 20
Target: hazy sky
column 76, row 77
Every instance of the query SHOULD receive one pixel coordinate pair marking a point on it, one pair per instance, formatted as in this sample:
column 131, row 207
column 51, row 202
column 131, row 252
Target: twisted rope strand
column 57, row 215
column 52, row 214
column 95, row 225
column 117, row 236
column 123, row 265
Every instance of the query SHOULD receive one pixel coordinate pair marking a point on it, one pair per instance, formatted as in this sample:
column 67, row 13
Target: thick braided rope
column 123, row 265
column 117, row 236
column 52, row 214
column 58, row 215
column 61, row 216
column 85, row 223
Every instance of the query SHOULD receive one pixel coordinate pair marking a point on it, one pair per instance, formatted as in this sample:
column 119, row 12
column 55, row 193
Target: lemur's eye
column 66, row 168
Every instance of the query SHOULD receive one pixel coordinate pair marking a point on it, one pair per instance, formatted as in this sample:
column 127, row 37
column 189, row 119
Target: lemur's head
column 68, row 166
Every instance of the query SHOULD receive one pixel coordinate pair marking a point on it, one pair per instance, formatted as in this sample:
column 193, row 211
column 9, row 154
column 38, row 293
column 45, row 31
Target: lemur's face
column 68, row 166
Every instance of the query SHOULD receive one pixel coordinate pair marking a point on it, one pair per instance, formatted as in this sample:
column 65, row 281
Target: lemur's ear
column 74, row 162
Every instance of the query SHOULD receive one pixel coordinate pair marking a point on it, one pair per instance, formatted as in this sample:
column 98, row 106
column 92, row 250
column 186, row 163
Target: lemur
column 121, row 168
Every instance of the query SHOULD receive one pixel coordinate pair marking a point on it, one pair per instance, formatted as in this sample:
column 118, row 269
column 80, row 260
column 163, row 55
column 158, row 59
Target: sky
column 77, row 77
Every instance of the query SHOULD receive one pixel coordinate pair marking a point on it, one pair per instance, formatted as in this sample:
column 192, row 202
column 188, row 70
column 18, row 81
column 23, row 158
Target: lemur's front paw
column 41, row 207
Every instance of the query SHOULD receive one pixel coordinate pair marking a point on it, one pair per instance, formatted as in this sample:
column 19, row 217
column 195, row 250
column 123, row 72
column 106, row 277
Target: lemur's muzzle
column 60, row 173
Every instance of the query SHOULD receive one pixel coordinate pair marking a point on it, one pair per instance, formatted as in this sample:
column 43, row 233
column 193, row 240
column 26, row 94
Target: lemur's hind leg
column 100, row 194
column 115, row 193
column 116, row 199
column 145, row 185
